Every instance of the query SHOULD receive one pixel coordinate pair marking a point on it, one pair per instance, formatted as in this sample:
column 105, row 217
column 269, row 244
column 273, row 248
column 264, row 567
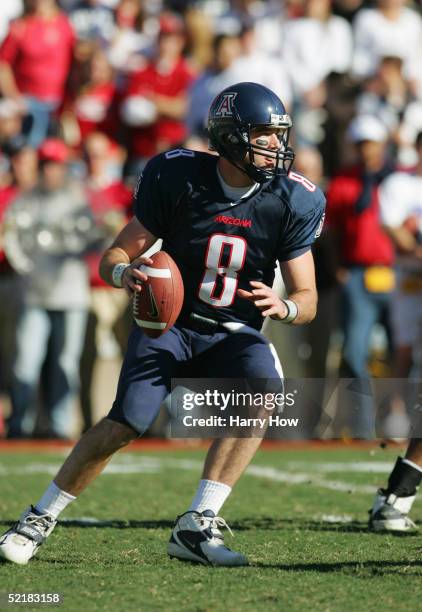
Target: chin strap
column 251, row 174
column 260, row 175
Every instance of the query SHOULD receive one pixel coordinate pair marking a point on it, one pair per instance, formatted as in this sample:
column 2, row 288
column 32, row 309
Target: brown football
column 157, row 306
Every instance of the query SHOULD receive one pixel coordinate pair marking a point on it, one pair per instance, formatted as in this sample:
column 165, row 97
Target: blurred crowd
column 90, row 90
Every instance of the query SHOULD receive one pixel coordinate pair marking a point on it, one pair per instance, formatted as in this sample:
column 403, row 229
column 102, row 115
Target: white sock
column 210, row 495
column 413, row 465
column 54, row 500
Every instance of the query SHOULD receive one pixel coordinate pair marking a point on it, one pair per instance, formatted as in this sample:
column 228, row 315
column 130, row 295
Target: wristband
column 292, row 311
column 117, row 274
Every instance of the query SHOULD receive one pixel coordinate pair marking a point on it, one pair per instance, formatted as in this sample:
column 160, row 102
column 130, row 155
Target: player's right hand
column 133, row 276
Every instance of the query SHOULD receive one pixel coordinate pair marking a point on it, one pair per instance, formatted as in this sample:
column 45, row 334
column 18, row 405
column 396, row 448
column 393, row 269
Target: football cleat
column 196, row 537
column 389, row 513
column 22, row 541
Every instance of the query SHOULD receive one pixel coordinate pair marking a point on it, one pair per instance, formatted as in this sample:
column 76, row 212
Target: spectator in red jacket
column 90, row 106
column 155, row 99
column 34, row 63
column 366, row 256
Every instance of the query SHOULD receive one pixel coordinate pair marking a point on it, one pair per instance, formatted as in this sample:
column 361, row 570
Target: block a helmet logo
column 225, row 108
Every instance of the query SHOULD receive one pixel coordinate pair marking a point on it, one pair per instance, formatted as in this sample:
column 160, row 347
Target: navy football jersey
column 220, row 245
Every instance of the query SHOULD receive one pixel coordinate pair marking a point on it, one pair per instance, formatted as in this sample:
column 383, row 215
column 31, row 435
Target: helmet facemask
column 283, row 156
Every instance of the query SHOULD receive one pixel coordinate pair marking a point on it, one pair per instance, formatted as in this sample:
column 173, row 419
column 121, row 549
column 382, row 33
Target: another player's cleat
column 389, row 513
column 22, row 541
column 197, row 537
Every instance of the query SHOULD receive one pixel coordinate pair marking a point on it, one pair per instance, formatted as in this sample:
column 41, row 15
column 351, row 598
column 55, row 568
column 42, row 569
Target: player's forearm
column 111, row 258
column 299, row 279
column 133, row 240
column 306, row 301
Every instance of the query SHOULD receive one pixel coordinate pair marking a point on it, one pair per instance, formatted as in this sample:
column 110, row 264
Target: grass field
column 299, row 515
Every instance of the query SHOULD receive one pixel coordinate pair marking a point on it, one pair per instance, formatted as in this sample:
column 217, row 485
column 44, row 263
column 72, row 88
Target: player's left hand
column 265, row 299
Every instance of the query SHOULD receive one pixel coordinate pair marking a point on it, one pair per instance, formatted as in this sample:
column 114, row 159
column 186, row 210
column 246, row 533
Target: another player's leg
column 86, row 461
column 392, row 505
column 196, row 535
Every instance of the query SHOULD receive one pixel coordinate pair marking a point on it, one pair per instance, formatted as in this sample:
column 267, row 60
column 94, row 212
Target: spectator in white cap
column 364, row 269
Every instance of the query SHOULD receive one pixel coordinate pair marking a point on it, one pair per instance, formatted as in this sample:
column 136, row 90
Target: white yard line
column 368, row 467
column 126, row 464
column 305, row 478
column 334, row 518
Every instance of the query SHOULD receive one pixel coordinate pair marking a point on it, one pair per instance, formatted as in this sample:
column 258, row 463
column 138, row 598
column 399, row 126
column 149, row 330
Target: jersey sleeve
column 302, row 230
column 152, row 201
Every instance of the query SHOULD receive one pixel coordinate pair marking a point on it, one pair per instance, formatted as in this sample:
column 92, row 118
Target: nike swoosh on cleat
column 192, row 542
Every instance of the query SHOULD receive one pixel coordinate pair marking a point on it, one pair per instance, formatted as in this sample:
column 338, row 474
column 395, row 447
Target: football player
column 225, row 219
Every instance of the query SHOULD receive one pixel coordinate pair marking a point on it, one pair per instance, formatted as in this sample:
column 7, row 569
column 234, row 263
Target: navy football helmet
column 235, row 113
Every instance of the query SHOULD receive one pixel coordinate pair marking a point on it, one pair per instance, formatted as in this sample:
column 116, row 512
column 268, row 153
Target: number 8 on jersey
column 210, row 291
